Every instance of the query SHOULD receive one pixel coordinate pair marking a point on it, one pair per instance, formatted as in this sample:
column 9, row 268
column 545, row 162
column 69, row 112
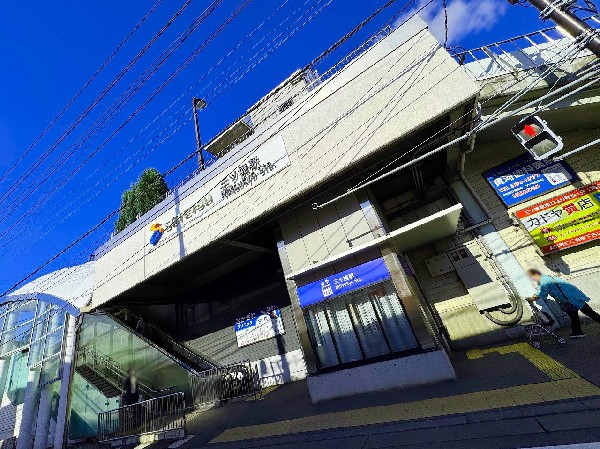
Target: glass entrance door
column 360, row 325
column 368, row 327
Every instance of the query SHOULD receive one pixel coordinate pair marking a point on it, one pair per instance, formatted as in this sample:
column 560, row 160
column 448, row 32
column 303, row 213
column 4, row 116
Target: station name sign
column 254, row 168
column 343, row 282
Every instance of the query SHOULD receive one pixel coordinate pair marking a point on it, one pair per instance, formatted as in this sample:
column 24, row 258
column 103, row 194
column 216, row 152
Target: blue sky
column 50, row 49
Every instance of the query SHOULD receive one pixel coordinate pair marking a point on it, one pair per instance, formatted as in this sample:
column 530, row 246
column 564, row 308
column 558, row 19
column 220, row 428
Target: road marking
column 265, row 392
column 179, row 443
column 144, row 445
column 437, row 407
column 541, row 361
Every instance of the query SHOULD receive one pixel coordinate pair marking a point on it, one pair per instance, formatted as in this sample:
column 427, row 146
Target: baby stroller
column 540, row 326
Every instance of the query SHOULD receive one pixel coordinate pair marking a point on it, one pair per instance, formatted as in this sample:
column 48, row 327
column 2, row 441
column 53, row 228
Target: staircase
column 179, row 352
column 100, row 383
column 107, row 376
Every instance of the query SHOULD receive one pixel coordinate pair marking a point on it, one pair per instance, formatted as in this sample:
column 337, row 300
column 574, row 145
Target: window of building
column 17, row 327
column 17, row 378
column 361, row 325
column 47, row 334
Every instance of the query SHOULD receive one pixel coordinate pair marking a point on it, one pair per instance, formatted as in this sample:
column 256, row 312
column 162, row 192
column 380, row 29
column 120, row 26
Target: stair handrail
column 183, row 348
column 116, row 370
column 153, row 344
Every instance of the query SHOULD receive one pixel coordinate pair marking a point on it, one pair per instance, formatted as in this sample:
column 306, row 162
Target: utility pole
column 558, row 11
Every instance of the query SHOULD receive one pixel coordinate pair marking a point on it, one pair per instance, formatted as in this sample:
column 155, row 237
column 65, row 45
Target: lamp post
column 197, row 105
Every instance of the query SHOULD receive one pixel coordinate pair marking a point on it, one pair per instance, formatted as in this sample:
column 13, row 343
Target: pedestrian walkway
column 507, row 396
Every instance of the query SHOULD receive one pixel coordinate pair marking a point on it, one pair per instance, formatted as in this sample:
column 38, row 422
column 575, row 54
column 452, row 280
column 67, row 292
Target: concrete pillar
column 25, row 437
column 416, row 311
column 42, row 423
column 65, row 382
column 309, row 356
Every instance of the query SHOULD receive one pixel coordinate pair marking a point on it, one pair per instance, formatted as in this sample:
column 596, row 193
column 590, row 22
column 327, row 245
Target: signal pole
column 557, row 11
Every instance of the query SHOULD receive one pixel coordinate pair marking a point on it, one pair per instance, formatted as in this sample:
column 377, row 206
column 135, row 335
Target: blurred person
column 140, row 327
column 570, row 299
column 131, row 390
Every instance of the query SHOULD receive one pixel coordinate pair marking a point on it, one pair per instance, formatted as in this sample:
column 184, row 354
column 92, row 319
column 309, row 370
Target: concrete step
column 99, row 382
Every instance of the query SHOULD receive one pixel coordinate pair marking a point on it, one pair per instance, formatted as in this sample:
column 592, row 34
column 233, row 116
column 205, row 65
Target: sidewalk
column 508, row 396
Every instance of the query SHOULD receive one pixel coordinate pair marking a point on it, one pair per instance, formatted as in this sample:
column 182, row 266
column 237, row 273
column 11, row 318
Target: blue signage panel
column 343, row 282
column 257, row 326
column 524, row 178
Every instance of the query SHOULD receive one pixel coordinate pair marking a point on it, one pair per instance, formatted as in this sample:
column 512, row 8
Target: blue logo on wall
column 157, row 232
column 343, row 282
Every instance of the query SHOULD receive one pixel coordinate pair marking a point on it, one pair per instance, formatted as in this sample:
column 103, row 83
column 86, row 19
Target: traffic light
column 533, row 133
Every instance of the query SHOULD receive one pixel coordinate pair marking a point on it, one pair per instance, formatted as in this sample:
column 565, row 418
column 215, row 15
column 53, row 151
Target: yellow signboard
column 564, row 221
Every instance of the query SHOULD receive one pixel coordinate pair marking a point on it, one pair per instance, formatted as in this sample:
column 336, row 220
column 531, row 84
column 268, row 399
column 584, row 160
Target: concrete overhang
column 440, row 225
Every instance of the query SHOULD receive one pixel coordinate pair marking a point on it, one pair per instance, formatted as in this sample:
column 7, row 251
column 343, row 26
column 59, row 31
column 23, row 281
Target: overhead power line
column 93, row 191
column 102, row 282
column 481, row 127
column 66, row 178
column 287, row 123
column 81, row 90
column 44, row 198
column 97, row 100
column 293, row 117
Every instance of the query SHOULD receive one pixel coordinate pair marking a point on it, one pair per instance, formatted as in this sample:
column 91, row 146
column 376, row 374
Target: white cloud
column 465, row 17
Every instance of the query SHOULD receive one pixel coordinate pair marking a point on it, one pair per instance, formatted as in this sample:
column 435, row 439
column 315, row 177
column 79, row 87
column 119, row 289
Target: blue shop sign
column 523, row 178
column 343, row 282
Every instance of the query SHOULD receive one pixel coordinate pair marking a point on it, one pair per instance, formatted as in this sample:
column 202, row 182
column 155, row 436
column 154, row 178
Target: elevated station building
column 271, row 264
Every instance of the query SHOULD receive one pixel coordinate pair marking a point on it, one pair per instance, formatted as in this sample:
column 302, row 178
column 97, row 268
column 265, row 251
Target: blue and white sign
column 257, row 326
column 523, row 178
column 343, row 282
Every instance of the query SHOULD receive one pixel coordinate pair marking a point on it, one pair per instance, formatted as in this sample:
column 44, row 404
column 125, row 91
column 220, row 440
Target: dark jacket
column 131, row 394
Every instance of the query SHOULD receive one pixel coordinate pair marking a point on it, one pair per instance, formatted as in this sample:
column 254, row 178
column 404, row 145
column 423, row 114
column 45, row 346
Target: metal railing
column 224, row 383
column 163, row 414
column 350, row 57
column 528, row 51
column 112, row 372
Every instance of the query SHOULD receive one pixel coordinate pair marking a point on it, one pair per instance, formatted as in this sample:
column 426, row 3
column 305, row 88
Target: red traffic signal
column 539, row 140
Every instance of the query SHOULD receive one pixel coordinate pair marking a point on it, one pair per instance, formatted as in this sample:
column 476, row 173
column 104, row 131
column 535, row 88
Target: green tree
column 143, row 195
